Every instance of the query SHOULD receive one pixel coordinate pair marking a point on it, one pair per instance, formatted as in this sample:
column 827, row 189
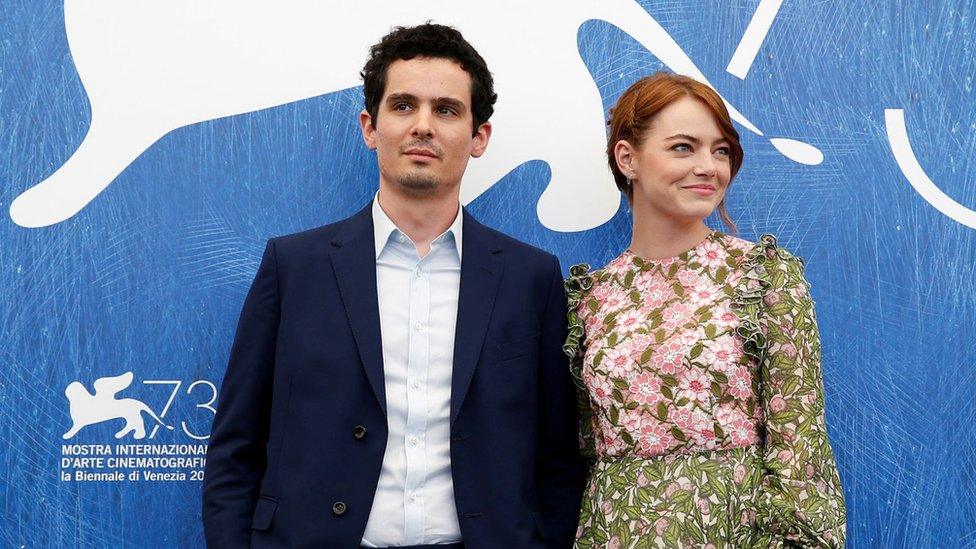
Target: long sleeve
column 801, row 503
column 236, row 454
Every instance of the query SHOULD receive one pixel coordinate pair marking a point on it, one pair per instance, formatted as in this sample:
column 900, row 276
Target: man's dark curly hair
column 434, row 41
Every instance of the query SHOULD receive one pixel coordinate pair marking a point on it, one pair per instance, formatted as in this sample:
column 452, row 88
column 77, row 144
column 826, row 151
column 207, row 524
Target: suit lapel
column 354, row 264
column 481, row 272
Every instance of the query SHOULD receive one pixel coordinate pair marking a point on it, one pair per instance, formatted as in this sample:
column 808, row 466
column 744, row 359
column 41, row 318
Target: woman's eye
column 681, row 147
column 724, row 151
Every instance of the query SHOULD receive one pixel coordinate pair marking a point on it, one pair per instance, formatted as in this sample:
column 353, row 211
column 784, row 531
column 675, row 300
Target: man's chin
column 418, row 185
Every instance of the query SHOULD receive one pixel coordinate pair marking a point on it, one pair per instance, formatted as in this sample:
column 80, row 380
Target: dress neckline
column 712, row 236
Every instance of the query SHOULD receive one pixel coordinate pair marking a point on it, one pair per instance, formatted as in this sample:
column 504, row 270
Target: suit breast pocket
column 516, row 348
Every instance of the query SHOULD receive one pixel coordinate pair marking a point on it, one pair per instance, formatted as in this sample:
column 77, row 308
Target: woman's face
column 682, row 170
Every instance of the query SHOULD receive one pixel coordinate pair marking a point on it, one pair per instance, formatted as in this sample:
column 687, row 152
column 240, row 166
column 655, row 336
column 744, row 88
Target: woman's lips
column 701, row 190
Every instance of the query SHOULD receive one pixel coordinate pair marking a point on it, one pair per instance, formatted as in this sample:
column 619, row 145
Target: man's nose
column 423, row 127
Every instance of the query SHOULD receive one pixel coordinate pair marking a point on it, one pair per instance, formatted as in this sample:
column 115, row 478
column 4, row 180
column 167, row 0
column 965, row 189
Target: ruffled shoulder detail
column 579, row 282
column 764, row 270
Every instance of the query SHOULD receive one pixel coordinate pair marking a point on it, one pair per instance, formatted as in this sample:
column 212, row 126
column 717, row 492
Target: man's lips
column 426, row 153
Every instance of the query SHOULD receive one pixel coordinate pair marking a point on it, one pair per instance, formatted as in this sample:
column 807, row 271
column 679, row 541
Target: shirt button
column 420, row 273
column 416, row 384
column 413, row 497
column 417, row 326
column 414, row 440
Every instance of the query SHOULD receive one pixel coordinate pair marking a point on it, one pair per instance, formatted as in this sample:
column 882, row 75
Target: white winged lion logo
column 150, row 67
column 88, row 409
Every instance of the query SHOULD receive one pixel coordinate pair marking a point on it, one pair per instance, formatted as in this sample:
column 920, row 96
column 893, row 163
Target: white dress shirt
column 414, row 501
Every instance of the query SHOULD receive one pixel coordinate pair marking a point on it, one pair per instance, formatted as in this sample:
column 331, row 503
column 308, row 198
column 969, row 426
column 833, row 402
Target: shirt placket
column 416, row 425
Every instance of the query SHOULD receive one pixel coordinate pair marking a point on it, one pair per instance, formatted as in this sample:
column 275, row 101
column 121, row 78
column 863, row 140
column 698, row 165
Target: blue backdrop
column 150, row 277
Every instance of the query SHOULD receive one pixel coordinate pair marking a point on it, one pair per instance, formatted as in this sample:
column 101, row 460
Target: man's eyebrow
column 394, row 97
column 452, row 102
column 456, row 104
column 693, row 139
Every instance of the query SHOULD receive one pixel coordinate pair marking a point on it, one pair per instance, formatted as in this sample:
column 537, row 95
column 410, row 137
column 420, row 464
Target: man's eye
column 445, row 110
column 401, row 106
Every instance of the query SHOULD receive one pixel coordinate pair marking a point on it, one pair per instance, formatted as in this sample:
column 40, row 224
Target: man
column 397, row 377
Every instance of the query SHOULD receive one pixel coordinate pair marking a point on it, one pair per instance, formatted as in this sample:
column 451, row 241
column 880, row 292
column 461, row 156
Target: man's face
column 423, row 128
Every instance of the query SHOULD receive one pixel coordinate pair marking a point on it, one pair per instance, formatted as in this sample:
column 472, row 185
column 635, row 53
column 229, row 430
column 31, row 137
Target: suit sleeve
column 560, row 468
column 236, row 456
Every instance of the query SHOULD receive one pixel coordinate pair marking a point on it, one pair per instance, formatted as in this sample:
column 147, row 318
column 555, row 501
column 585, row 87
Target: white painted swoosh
column 902, row 150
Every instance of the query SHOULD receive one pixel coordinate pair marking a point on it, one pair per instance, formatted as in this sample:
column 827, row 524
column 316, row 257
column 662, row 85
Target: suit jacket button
column 338, row 508
column 359, row 432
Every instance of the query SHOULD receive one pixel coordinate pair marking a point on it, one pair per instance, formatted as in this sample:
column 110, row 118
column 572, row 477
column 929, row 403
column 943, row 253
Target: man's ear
column 369, row 132
column 481, row 138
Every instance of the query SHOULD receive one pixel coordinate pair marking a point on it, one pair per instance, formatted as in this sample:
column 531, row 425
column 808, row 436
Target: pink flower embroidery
column 654, row 438
column 695, row 385
column 743, row 433
column 657, row 294
column 724, row 317
column 688, row 338
column 601, row 390
column 617, row 361
column 600, row 292
column 591, row 326
column 740, row 383
column 621, row 265
column 613, row 302
column 687, row 278
column 712, row 255
column 646, row 389
column 702, row 294
column 704, row 437
column 628, row 321
column 639, row 344
column 631, row 420
column 676, row 314
column 721, row 352
column 668, row 357
column 681, row 417
column 739, row 428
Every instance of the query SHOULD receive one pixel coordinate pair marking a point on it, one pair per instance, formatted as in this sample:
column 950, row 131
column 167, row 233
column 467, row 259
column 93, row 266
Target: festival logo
column 88, row 409
column 181, row 457
column 215, row 67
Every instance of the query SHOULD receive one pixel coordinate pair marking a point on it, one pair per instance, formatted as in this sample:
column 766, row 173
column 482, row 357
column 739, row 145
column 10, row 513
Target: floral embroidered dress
column 702, row 401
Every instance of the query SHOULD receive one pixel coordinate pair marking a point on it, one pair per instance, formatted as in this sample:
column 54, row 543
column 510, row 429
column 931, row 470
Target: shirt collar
column 384, row 228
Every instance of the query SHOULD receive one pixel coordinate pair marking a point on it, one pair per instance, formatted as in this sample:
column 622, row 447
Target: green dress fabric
column 701, row 401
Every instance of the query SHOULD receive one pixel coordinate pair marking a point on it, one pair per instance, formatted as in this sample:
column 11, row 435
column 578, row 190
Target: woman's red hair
column 634, row 112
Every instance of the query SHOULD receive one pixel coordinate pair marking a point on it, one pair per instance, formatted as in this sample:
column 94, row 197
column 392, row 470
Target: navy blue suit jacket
column 300, row 432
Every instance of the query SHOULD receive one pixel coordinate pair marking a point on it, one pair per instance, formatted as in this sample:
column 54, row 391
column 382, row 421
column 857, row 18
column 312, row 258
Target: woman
column 697, row 353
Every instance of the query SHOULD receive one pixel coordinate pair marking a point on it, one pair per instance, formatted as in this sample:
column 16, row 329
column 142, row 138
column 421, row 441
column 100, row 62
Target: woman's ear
column 626, row 157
